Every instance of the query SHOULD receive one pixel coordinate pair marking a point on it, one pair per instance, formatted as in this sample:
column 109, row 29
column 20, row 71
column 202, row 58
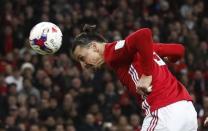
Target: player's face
column 89, row 57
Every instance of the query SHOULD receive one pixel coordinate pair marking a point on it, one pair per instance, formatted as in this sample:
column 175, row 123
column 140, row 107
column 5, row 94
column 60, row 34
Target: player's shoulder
column 113, row 51
column 115, row 45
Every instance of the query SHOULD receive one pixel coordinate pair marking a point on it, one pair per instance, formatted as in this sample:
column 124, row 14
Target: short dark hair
column 87, row 36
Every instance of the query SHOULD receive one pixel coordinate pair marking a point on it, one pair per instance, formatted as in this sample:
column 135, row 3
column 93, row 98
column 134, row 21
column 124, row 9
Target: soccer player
column 136, row 61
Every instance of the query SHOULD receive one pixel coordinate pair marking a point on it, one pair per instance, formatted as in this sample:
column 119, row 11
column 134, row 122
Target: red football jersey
column 137, row 55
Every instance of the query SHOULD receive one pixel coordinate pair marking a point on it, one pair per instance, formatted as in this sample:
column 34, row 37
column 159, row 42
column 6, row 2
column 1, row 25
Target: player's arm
column 141, row 42
column 173, row 51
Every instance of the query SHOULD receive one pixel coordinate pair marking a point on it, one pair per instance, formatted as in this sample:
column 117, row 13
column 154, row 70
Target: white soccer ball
column 45, row 38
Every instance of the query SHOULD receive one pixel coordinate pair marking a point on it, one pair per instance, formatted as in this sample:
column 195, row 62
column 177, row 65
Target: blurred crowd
column 52, row 93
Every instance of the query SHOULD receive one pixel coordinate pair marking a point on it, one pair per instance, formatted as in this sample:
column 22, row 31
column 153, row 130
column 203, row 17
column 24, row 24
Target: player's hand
column 144, row 85
column 206, row 122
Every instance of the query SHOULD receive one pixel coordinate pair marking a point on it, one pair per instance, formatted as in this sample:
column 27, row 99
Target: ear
column 94, row 46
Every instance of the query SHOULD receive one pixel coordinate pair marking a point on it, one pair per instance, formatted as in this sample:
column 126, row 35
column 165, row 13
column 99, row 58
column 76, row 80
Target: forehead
column 79, row 51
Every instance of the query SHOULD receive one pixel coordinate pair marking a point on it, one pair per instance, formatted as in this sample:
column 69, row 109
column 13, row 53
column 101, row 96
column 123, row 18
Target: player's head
column 87, row 48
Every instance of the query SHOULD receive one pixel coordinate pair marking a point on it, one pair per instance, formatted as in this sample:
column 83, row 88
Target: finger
column 146, row 90
column 145, row 86
column 149, row 89
column 141, row 92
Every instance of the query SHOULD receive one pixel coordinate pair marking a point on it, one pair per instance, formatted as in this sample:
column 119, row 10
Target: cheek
column 92, row 57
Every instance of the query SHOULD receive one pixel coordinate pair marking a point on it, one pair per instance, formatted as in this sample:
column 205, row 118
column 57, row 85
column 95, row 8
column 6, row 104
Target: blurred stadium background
column 52, row 93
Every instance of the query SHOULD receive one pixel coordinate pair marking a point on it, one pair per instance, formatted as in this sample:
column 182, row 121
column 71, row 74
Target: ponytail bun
column 89, row 28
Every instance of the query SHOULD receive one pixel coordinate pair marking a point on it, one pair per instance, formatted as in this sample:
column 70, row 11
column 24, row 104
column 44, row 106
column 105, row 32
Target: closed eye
column 80, row 58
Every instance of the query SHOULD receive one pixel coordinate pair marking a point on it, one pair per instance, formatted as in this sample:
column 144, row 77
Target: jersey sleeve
column 141, row 42
column 173, row 51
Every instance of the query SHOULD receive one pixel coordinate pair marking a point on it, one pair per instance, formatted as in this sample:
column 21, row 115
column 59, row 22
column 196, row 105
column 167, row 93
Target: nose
column 83, row 64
